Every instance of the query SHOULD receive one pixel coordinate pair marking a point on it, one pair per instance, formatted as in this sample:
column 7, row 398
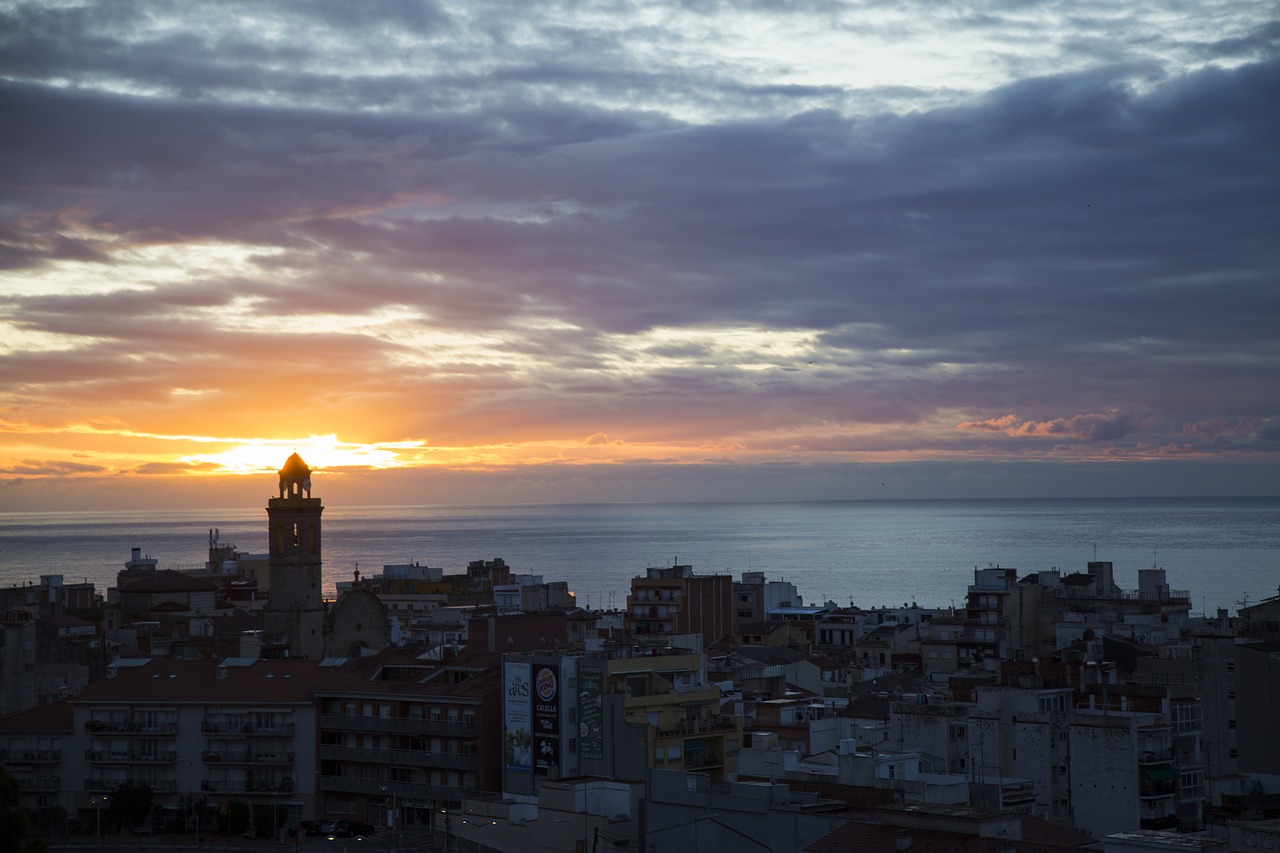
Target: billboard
column 591, row 712
column 517, row 732
column 546, row 718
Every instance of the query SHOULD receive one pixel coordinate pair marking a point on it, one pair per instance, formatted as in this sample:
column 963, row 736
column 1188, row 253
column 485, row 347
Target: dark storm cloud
column 1067, row 225
column 1074, row 259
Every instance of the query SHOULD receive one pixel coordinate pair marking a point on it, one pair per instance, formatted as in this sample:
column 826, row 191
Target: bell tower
column 295, row 606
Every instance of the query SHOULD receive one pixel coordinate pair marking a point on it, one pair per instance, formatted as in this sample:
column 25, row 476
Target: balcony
column 1156, row 756
column 399, row 725
column 213, row 756
column 403, row 790
column 40, row 784
column 698, row 760
column 1150, row 790
column 402, row 757
column 210, row 727
column 38, row 756
column 160, row 786
column 723, row 723
column 112, row 726
column 102, row 756
column 240, row 786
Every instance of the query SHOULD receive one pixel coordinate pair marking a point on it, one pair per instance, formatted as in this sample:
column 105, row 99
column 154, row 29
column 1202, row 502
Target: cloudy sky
column 486, row 251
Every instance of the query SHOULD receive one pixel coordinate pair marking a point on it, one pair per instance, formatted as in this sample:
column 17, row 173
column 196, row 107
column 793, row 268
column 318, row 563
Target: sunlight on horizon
column 318, row 451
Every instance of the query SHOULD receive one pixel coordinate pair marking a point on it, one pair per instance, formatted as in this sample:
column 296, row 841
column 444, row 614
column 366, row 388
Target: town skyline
column 460, row 253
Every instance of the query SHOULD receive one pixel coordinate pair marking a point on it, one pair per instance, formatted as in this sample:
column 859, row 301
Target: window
column 1187, row 717
column 1053, row 703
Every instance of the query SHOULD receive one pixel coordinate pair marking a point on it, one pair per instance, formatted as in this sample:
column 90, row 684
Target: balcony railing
column 218, row 786
column 404, row 790
column 40, row 783
column 400, row 725
column 210, row 727
column 104, row 756
column 402, row 757
column 724, row 723
column 161, row 786
column 34, row 755
column 1174, row 595
column 1155, row 756
column 694, row 760
column 1156, row 790
column 213, row 756
column 95, row 726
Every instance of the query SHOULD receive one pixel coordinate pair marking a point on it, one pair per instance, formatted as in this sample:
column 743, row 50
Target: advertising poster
column 591, row 712
column 546, row 718
column 517, row 732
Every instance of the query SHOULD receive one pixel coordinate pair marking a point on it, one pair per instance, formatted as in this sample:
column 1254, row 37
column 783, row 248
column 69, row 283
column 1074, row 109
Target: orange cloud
column 1094, row 426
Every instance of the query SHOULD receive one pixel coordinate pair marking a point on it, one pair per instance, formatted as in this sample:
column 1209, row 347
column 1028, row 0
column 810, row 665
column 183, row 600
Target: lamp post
column 97, row 805
column 392, row 793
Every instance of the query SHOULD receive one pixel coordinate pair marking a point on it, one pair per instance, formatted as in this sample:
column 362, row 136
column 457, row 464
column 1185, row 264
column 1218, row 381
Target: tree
column 15, row 824
column 130, row 805
column 237, row 818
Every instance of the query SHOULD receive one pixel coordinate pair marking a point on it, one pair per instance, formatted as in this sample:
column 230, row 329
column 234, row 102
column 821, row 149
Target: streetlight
column 447, row 823
column 97, row 805
column 384, row 790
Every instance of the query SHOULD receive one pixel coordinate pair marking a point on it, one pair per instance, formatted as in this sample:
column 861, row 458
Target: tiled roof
column 368, row 676
column 54, row 717
column 1038, row 837
column 167, row 580
column 170, row 607
column 867, row 707
column 65, row 620
column 164, row 680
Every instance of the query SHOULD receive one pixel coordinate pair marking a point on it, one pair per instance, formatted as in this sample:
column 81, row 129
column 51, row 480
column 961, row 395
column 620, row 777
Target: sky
column 512, row 252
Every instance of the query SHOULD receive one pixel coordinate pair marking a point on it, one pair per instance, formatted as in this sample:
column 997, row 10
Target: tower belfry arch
column 295, row 604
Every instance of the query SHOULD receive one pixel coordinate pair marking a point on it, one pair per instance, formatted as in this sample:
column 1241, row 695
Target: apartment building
column 203, row 731
column 674, row 600
column 402, row 737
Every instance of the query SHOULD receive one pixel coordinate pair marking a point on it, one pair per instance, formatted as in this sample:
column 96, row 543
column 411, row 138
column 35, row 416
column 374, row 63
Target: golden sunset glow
column 860, row 251
column 320, row 452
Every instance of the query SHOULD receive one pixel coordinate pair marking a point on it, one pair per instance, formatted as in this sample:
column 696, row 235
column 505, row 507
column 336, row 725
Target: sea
column 1224, row 551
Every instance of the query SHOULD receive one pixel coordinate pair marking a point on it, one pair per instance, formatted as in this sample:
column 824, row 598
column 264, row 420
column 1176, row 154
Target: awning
column 1161, row 773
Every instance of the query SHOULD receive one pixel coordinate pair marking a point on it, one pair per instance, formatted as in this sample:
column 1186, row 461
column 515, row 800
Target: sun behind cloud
column 320, row 451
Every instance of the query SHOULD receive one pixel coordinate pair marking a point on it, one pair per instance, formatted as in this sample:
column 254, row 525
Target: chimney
column 904, row 840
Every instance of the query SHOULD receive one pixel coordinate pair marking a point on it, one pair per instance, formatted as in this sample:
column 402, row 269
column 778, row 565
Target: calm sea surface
column 868, row 552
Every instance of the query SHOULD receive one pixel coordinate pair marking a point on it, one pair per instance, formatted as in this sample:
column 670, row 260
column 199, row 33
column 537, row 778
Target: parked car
column 359, row 827
column 347, row 828
column 310, row 827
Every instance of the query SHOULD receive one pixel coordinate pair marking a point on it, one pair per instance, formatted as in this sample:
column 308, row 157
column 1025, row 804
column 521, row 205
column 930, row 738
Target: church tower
column 295, row 606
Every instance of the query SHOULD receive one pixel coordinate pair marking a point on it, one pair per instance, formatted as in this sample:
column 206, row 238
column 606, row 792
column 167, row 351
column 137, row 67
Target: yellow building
column 669, row 694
